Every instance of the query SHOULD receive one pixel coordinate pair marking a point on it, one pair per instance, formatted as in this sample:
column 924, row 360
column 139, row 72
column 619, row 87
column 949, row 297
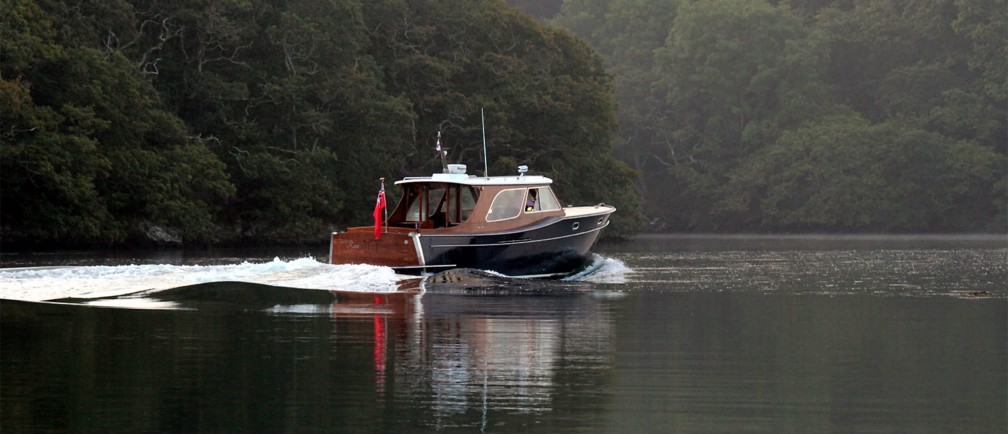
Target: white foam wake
column 51, row 283
column 602, row 270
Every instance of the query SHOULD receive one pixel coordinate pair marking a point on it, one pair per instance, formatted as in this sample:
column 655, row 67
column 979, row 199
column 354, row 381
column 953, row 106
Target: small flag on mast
column 441, row 153
column 378, row 208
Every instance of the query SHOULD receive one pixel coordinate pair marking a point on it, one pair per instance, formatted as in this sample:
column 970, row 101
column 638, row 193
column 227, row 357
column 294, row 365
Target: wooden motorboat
column 513, row 225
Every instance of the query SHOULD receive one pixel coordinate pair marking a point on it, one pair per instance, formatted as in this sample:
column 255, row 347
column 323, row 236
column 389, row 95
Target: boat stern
column 358, row 245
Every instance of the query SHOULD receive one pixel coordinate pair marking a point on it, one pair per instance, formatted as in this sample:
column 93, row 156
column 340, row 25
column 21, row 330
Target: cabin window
column 436, row 206
column 412, row 196
column 435, row 201
column 507, row 204
column 467, row 202
column 541, row 199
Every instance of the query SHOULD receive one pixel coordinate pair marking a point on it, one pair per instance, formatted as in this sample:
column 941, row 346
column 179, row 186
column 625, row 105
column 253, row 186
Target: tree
column 90, row 154
column 245, row 123
column 842, row 173
column 733, row 76
column 627, row 33
column 545, row 94
column 287, row 95
column 543, row 9
column 700, row 107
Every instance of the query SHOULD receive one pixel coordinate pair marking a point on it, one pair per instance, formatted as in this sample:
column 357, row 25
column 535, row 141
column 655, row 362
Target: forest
column 807, row 115
column 138, row 122
column 249, row 123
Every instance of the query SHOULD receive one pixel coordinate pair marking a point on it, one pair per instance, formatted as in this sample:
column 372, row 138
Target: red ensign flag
column 378, row 208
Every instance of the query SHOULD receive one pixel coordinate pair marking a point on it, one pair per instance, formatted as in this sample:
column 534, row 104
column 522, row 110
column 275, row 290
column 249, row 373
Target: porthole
column 576, row 226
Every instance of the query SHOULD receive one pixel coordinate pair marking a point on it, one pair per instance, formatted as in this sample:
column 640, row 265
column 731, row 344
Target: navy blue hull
column 552, row 247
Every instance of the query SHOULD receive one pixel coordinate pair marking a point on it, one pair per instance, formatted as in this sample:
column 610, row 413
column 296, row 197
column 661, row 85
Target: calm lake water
column 664, row 334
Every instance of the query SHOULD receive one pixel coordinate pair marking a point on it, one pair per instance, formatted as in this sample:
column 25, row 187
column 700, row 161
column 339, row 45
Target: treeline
column 807, row 115
column 127, row 121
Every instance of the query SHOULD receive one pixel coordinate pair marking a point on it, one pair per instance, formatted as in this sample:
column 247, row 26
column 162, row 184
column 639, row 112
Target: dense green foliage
column 233, row 121
column 809, row 115
column 88, row 150
column 236, row 121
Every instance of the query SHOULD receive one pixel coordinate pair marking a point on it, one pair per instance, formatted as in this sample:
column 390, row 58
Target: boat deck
column 579, row 211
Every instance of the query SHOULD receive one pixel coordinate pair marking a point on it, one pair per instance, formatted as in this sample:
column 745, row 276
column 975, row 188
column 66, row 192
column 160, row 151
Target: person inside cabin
column 530, row 202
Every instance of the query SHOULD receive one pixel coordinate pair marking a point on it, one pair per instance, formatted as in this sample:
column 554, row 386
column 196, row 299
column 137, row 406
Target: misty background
column 235, row 122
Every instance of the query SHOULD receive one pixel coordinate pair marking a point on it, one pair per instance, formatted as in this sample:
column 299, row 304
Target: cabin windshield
column 541, row 199
column 507, row 204
column 434, row 205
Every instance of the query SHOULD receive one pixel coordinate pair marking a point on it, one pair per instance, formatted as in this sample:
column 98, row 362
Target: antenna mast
column 486, row 172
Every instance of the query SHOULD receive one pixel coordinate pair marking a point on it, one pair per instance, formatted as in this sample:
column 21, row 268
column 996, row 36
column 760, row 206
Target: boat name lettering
column 368, row 245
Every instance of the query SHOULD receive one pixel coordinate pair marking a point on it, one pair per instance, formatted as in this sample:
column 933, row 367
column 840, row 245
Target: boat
column 512, row 225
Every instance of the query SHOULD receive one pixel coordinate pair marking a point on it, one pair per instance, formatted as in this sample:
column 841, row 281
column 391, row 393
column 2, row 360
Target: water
column 664, row 334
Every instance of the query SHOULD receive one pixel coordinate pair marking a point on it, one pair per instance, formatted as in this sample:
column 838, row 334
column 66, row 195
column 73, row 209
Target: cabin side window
column 435, row 205
column 413, row 210
column 507, row 204
column 467, row 202
column 435, row 201
column 541, row 199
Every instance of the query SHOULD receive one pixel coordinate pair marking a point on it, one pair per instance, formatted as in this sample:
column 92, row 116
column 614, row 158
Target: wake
column 121, row 285
column 53, row 283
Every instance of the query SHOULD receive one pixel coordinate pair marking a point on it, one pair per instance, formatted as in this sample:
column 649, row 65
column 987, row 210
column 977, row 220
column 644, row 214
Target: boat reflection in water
column 466, row 358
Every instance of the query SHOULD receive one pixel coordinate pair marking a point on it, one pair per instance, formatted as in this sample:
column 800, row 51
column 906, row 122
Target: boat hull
column 554, row 246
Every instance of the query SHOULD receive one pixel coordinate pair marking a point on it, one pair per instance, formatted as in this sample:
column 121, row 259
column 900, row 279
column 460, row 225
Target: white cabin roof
column 457, row 178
